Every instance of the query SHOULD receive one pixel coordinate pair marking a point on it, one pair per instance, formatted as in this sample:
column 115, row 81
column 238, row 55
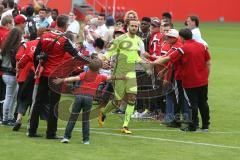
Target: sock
column 110, row 106
column 128, row 113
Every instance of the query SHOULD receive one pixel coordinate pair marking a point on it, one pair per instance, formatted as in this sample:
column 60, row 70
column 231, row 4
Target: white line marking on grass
column 159, row 139
column 168, row 140
column 166, row 130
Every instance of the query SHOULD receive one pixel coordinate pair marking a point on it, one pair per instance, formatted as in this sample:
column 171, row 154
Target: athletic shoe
column 188, row 129
column 54, row 137
column 31, row 135
column 86, row 142
column 204, row 129
column 65, row 140
column 17, row 126
column 135, row 115
column 101, row 118
column 126, row 130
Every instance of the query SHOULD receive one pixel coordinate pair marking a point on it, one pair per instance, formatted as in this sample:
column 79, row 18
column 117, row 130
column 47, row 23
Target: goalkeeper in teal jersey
column 127, row 50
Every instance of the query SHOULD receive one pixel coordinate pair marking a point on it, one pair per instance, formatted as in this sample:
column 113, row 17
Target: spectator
column 10, row 8
column 193, row 25
column 31, row 28
column 144, row 32
column 110, row 22
column 166, row 16
column 102, row 28
column 119, row 24
column 49, row 15
column 54, row 17
column 7, row 24
column 20, row 22
column 42, row 22
column 9, row 50
column 74, row 26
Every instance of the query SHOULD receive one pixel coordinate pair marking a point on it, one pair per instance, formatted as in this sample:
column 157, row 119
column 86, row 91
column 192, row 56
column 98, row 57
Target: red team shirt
column 167, row 50
column 89, row 83
column 155, row 46
column 193, row 56
column 24, row 59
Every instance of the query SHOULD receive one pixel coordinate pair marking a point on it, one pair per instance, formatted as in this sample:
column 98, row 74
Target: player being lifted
column 127, row 50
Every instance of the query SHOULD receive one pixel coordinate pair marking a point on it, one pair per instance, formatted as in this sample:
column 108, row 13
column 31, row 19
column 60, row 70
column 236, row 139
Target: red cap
column 19, row 19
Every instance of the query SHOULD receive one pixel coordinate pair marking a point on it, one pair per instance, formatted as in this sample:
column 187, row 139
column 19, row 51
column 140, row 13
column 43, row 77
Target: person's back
column 194, row 64
column 53, row 45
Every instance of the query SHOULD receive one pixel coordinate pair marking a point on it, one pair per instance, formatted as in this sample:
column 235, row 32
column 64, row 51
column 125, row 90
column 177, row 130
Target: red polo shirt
column 193, row 56
column 89, row 83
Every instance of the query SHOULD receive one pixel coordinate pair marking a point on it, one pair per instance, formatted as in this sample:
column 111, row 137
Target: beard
column 133, row 32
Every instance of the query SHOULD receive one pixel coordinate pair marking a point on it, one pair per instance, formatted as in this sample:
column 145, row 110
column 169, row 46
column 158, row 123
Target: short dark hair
column 48, row 9
column 99, row 43
column 102, row 15
column 120, row 20
column 195, row 19
column 146, row 19
column 43, row 9
column 62, row 21
column 95, row 64
column 11, row 3
column 167, row 15
column 186, row 34
column 30, row 10
column 55, row 10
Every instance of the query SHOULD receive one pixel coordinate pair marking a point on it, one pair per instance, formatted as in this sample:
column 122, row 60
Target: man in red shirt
column 54, row 45
column 156, row 40
column 7, row 25
column 195, row 60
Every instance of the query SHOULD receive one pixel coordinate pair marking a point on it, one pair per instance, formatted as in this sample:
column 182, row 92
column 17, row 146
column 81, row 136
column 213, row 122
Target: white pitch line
column 159, row 139
column 168, row 140
column 167, row 130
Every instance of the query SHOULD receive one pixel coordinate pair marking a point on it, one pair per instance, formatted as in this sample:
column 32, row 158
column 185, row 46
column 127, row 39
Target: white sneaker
column 135, row 115
column 65, row 140
column 86, row 142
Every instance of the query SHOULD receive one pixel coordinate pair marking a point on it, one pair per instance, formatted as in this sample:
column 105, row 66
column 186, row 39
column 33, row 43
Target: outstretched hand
column 58, row 80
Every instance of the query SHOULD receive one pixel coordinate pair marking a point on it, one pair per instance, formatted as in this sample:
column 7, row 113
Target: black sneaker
column 11, row 122
column 17, row 126
column 188, row 129
column 54, row 137
column 174, row 125
column 33, row 135
column 5, row 123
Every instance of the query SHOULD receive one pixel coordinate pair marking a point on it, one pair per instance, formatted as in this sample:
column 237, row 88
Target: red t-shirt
column 193, row 56
column 89, row 83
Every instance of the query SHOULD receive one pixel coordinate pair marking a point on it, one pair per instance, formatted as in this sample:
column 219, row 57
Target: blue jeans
column 84, row 103
column 169, row 116
column 10, row 96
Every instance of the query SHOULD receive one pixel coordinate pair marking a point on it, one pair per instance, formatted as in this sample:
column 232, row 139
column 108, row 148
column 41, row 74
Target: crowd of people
column 142, row 68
